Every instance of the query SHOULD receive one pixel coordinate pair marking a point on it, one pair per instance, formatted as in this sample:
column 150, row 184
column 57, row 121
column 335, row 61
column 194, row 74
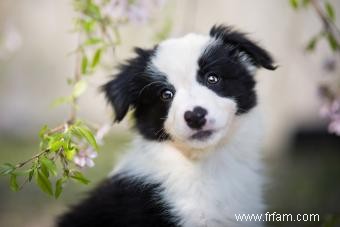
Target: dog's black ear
column 259, row 56
column 117, row 94
column 122, row 91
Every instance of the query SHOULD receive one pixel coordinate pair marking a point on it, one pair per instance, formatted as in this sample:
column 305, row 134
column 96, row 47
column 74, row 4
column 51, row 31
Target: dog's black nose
column 196, row 118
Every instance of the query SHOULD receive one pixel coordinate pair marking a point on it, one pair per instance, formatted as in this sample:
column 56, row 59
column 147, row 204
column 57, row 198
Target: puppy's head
column 189, row 90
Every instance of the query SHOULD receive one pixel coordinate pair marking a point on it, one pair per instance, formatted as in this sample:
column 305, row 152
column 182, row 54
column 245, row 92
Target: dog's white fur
column 205, row 182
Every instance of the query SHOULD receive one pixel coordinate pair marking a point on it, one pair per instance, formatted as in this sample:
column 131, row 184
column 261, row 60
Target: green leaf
column 55, row 145
column 55, row 141
column 43, row 131
column 333, row 44
column 49, row 165
column 59, row 186
column 68, row 141
column 43, row 145
column 30, row 175
column 85, row 133
column 69, row 154
column 93, row 41
column 80, row 177
column 305, row 2
column 43, row 182
column 330, row 11
column 294, row 3
column 96, row 58
column 93, row 11
column 69, row 81
column 61, row 100
column 131, row 2
column 84, row 63
column 21, row 173
column 165, row 31
column 79, row 88
column 6, row 169
column 312, row 43
column 44, row 170
column 13, row 183
column 88, row 25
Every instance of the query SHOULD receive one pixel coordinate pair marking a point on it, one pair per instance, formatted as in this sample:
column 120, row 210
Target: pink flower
column 334, row 127
column 331, row 110
column 325, row 111
column 136, row 11
column 85, row 158
column 335, row 107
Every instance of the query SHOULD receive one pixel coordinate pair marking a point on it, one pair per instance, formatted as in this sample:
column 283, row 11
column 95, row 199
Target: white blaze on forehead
column 178, row 58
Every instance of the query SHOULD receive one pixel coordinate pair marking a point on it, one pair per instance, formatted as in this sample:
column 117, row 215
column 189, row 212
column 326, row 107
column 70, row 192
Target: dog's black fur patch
column 260, row 57
column 120, row 202
column 222, row 58
column 139, row 87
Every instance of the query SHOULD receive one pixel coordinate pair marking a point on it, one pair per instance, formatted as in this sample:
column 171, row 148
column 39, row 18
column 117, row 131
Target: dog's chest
column 198, row 203
column 211, row 195
column 201, row 194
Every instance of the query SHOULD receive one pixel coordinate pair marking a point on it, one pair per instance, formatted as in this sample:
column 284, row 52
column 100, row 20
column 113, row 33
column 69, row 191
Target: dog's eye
column 167, row 95
column 212, row 78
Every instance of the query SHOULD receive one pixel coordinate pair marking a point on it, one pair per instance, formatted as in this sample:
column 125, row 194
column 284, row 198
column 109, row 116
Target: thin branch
column 64, row 162
column 21, row 164
column 107, row 35
column 328, row 24
column 77, row 78
column 59, row 128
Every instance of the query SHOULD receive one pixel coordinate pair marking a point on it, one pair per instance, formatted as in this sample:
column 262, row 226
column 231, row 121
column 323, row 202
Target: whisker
column 159, row 131
column 161, row 134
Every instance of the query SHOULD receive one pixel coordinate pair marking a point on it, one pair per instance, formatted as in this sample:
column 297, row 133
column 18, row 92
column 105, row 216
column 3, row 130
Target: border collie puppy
column 196, row 160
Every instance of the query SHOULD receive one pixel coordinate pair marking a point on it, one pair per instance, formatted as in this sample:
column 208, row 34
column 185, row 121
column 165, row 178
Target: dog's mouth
column 202, row 135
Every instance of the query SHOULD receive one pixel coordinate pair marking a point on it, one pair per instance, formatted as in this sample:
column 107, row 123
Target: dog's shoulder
column 120, row 201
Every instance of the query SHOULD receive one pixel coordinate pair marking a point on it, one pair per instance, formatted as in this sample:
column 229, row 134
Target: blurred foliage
column 72, row 145
column 36, row 209
column 331, row 34
column 64, row 142
column 329, row 91
column 165, row 31
column 56, row 146
column 327, row 14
